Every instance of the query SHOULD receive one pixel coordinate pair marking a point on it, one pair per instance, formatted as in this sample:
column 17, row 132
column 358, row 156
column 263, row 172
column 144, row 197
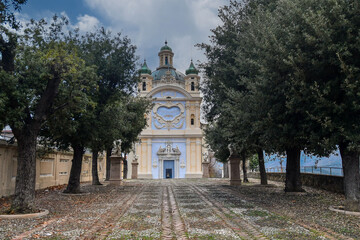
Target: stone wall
column 51, row 170
column 326, row 182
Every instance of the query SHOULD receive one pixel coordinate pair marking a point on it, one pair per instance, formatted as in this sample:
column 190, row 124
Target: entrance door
column 169, row 167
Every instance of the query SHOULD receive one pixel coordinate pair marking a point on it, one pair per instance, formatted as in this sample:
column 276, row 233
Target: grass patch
column 207, row 237
column 256, row 213
column 295, row 236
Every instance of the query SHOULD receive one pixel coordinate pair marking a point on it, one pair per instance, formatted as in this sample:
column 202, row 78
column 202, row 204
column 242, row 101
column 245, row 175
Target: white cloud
column 149, row 22
column 84, row 23
column 87, row 23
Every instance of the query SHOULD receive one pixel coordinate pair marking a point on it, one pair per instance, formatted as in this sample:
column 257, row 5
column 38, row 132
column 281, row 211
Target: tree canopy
column 283, row 75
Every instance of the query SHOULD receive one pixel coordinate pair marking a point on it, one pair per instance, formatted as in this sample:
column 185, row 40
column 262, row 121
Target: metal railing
column 333, row 171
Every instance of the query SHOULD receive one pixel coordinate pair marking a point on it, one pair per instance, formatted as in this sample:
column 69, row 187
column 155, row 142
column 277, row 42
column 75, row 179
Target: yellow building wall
column 51, row 170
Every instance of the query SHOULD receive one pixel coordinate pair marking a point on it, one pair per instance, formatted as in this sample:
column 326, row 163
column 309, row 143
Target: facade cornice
column 168, row 87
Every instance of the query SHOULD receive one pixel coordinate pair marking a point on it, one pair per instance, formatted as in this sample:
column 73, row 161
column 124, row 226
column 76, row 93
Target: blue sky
column 183, row 23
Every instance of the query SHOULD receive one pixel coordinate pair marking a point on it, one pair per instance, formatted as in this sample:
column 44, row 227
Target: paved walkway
column 161, row 209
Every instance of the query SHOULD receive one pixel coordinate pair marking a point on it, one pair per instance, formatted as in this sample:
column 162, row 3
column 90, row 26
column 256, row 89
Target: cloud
column 87, row 23
column 84, row 23
column 150, row 22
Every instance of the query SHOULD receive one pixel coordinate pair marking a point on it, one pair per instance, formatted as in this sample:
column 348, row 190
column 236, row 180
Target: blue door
column 169, row 167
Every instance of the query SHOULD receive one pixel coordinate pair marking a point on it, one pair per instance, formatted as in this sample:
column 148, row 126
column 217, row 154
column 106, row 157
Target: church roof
column 191, row 69
column 158, row 74
column 145, row 69
column 165, row 47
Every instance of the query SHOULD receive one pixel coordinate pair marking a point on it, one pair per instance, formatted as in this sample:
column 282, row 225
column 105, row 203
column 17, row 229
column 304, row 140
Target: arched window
column 166, row 60
column 192, row 86
column 192, row 120
column 144, row 86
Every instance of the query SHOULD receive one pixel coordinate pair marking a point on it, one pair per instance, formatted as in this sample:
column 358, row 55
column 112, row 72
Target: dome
column 158, row 74
column 145, row 69
column 191, row 69
column 165, row 47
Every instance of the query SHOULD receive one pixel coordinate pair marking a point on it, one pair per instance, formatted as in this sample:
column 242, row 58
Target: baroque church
column 171, row 145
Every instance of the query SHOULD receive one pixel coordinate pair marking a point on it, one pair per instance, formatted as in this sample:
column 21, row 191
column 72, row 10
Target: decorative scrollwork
column 174, row 122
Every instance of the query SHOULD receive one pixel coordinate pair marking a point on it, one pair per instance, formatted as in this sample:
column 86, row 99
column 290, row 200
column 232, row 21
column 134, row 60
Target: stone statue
column 136, row 157
column 233, row 151
column 161, row 150
column 206, row 156
column 168, row 148
column 176, row 150
column 116, row 151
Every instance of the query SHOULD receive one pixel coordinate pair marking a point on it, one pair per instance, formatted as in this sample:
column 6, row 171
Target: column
column 115, row 170
column 235, row 170
column 134, row 170
column 205, row 168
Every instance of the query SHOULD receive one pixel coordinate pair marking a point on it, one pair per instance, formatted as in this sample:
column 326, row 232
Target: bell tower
column 166, row 57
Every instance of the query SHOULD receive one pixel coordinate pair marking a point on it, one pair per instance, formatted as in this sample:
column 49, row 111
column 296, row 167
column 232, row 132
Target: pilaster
column 198, row 158
column 188, row 114
column 197, row 114
column 149, row 148
column 188, row 159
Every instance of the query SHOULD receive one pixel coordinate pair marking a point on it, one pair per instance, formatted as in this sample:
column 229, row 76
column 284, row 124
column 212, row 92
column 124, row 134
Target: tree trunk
column 26, row 173
column 226, row 170
column 125, row 165
column 108, row 154
column 243, row 158
column 94, row 172
column 350, row 163
column 262, row 167
column 75, row 173
column 8, row 52
column 293, row 177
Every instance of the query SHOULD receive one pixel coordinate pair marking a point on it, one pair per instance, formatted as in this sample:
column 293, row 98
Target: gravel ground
column 184, row 209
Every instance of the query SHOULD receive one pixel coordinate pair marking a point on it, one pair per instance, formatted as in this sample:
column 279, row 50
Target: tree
column 114, row 57
column 104, row 118
column 225, row 91
column 7, row 9
column 8, row 41
column 304, row 75
column 217, row 141
column 43, row 65
column 124, row 120
column 254, row 163
column 321, row 49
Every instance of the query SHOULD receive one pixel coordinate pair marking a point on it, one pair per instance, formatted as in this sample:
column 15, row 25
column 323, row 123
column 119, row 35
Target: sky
column 148, row 23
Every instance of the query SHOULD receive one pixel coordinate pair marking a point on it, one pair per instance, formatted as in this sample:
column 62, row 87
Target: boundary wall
column 51, row 170
column 326, row 182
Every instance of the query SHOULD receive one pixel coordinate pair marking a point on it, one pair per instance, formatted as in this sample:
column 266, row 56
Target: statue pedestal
column 134, row 170
column 235, row 170
column 205, row 167
column 116, row 169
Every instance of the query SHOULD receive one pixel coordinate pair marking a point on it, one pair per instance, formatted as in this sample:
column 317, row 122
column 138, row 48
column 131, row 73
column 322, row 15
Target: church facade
column 171, row 145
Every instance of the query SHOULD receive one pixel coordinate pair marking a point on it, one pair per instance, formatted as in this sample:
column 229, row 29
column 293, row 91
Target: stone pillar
column 205, row 167
column 134, row 170
column 235, row 170
column 116, row 170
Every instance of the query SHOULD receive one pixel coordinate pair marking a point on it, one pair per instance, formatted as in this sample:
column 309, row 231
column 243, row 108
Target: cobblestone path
column 163, row 209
